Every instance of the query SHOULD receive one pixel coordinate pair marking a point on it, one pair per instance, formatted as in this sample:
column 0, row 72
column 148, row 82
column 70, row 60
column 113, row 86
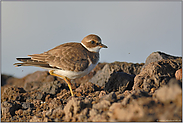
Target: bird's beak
column 103, row 46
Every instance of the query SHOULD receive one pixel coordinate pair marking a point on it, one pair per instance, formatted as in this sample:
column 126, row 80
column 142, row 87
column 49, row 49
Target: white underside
column 74, row 75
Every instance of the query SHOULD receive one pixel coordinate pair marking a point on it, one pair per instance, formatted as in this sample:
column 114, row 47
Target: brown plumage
column 69, row 60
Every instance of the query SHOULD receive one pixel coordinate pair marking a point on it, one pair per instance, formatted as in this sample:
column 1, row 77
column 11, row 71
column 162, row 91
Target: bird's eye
column 92, row 42
column 97, row 43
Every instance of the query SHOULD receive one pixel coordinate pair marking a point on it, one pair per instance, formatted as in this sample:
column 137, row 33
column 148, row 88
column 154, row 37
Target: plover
column 68, row 61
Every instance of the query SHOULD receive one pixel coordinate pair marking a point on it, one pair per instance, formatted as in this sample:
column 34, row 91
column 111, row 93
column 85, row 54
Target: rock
column 58, row 113
column 156, row 74
column 36, row 119
column 30, row 86
column 87, row 87
column 134, row 95
column 72, row 108
column 8, row 108
column 99, row 118
column 36, row 94
column 13, row 93
column 47, row 98
column 132, row 113
column 27, row 105
column 178, row 74
column 102, row 93
column 38, row 76
column 102, row 76
column 102, row 105
column 37, row 79
column 119, row 81
column 55, row 103
column 83, row 116
column 93, row 112
column 109, row 97
column 5, row 108
column 4, row 78
column 53, row 87
column 169, row 92
column 86, row 78
column 156, row 56
column 97, row 112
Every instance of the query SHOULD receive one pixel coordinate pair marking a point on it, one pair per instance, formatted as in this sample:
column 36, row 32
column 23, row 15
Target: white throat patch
column 94, row 49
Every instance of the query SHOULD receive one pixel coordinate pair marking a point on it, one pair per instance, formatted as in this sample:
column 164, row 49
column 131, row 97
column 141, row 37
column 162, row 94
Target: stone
column 53, row 87
column 87, row 87
column 72, row 108
column 102, row 93
column 13, row 93
column 109, row 97
column 103, row 76
column 119, row 81
column 36, row 119
column 132, row 113
column 156, row 56
column 4, row 79
column 178, row 74
column 27, row 105
column 169, row 93
column 9, row 108
column 155, row 96
column 156, row 74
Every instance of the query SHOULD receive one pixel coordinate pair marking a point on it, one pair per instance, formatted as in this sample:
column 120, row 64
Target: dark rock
column 129, row 68
column 156, row 74
column 5, row 108
column 119, row 81
column 8, row 108
column 86, row 78
column 4, row 79
column 102, row 77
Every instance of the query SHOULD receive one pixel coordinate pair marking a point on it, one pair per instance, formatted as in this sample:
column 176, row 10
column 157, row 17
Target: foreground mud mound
column 112, row 92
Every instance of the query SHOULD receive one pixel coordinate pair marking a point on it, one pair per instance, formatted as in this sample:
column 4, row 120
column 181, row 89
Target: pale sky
column 131, row 30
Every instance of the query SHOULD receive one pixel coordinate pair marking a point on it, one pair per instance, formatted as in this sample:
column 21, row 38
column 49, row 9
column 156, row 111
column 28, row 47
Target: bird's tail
column 30, row 62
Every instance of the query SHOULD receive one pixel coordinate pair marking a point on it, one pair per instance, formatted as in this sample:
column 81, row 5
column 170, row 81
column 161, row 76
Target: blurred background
column 131, row 30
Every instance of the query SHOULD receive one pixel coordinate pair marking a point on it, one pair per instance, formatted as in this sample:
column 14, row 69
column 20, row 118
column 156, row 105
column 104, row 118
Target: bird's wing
column 69, row 56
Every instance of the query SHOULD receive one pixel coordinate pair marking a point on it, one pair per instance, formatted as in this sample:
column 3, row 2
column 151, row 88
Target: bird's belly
column 75, row 75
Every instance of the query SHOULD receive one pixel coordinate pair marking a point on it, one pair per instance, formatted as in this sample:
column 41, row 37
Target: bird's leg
column 67, row 80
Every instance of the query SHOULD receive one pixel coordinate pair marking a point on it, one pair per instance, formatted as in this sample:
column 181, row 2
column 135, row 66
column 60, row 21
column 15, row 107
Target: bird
column 69, row 60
